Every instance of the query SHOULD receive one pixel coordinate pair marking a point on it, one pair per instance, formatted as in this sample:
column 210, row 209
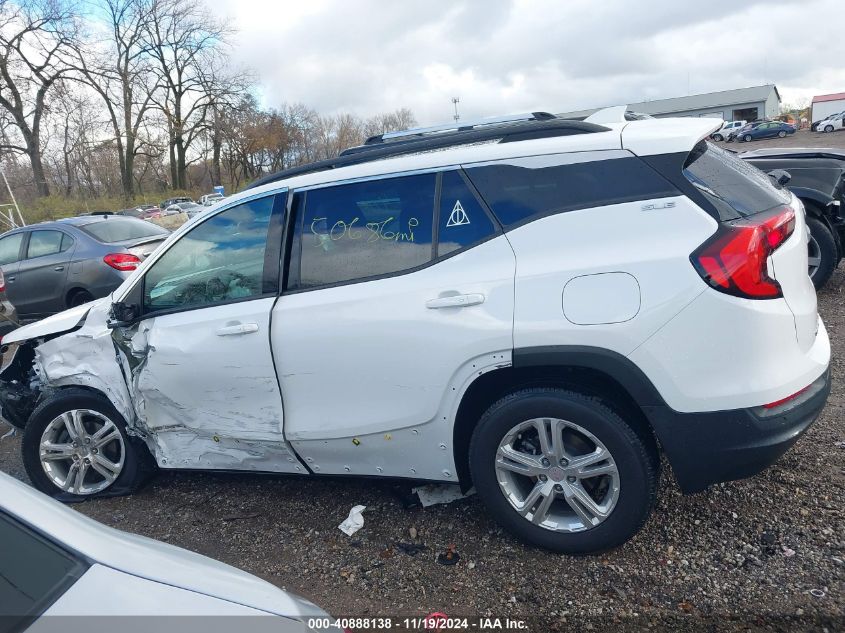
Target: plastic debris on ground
column 354, row 522
column 433, row 494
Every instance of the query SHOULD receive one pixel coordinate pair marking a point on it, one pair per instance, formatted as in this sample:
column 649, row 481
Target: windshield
column 120, row 230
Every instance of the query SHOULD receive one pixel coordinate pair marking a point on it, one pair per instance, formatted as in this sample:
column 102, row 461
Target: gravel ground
column 767, row 553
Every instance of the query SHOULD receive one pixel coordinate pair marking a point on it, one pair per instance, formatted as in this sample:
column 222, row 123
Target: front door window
column 220, row 261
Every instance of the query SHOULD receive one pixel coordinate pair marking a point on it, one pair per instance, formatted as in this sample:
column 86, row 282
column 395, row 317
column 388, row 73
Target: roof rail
column 500, row 132
column 460, row 127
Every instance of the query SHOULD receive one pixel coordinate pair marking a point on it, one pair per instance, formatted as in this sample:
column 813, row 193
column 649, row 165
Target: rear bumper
column 707, row 448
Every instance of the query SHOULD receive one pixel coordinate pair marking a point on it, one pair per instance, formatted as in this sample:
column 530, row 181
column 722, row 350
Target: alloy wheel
column 82, row 452
column 557, row 475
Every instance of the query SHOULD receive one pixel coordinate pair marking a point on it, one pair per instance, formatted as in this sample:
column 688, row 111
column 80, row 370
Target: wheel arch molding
column 593, row 370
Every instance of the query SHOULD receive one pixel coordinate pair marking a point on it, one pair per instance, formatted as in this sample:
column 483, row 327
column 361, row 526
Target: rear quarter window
column 728, row 181
column 519, row 194
column 115, row 229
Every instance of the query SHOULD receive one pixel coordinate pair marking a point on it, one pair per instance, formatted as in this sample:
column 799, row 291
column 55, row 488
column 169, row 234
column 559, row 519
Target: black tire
column 827, row 250
column 781, row 134
column 747, row 138
column 828, row 128
column 635, row 457
column 718, row 137
column 79, row 298
column 137, row 463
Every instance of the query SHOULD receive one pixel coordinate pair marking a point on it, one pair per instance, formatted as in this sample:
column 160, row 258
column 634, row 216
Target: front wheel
column 781, row 134
column 746, row 138
column 718, row 137
column 828, row 128
column 821, row 252
column 75, row 443
column 562, row 470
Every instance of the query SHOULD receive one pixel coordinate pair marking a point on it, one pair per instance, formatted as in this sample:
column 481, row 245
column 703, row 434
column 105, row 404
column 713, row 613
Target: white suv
column 534, row 307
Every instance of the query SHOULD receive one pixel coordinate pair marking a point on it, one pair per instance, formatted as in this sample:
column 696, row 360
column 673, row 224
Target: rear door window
column 34, row 573
column 728, row 181
column 366, row 229
column 43, row 242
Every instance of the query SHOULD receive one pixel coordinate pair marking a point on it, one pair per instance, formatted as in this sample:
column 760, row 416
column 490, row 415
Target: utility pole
column 455, row 102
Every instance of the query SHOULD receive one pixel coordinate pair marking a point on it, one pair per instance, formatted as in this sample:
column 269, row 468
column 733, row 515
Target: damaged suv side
column 482, row 306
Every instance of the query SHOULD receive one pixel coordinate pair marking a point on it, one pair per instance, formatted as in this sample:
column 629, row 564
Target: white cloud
column 503, row 56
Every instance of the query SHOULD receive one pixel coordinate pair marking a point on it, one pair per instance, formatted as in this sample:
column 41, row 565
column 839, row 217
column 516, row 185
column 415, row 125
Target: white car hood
column 56, row 324
column 146, row 558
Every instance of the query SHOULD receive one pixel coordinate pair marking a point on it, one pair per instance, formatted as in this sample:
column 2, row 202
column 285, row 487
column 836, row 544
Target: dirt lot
column 768, row 552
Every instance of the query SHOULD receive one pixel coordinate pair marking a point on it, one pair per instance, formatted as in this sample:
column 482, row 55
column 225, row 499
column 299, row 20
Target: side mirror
column 780, row 176
column 123, row 314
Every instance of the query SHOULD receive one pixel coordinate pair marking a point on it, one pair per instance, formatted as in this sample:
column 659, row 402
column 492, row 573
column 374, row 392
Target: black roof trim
column 524, row 130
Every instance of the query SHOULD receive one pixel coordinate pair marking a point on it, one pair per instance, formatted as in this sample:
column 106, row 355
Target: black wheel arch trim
column 702, row 448
column 615, row 365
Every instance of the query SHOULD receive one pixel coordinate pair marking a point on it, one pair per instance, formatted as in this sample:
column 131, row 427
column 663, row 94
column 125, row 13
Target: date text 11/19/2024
column 434, row 622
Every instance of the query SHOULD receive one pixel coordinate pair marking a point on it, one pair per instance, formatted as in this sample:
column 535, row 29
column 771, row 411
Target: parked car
column 210, row 198
column 832, row 123
column 58, row 562
column 8, row 314
column 769, row 129
column 729, row 128
column 189, row 208
column 149, row 211
column 176, row 200
column 52, row 266
column 484, row 306
column 817, row 177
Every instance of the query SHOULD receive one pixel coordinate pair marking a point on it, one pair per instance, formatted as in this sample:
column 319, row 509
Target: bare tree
column 187, row 44
column 120, row 71
column 35, row 38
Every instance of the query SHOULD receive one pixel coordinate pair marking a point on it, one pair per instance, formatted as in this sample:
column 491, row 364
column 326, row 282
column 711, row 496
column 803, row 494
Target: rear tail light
column 2, row 281
column 733, row 260
column 122, row 261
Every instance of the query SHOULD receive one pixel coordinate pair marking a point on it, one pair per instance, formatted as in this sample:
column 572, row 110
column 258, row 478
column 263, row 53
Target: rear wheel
column 79, row 298
column 821, row 252
column 718, row 137
column 561, row 470
column 75, row 443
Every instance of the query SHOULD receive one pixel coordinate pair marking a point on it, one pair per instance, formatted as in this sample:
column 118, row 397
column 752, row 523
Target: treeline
column 133, row 98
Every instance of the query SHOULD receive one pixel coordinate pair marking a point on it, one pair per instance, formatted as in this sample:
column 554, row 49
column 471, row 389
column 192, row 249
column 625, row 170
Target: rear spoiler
column 667, row 135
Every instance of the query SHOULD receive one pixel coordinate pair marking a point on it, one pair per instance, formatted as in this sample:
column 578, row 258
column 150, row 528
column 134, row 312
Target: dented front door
column 203, row 377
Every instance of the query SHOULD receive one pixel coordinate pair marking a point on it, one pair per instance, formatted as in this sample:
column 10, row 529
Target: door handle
column 59, row 268
column 12, row 278
column 455, row 301
column 240, row 328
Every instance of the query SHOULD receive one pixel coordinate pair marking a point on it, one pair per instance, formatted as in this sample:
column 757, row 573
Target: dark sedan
column 771, row 129
column 52, row 266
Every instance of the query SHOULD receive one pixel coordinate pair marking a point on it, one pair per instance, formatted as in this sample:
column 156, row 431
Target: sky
column 506, row 56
